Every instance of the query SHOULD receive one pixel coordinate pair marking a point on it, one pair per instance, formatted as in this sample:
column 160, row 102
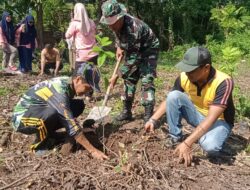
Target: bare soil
column 137, row 160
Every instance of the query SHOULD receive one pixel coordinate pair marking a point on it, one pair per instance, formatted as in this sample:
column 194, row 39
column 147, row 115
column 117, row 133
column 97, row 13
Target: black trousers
column 49, row 66
column 44, row 121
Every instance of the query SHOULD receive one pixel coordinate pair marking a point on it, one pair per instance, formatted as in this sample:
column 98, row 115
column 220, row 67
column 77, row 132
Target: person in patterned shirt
column 49, row 105
column 202, row 95
column 135, row 41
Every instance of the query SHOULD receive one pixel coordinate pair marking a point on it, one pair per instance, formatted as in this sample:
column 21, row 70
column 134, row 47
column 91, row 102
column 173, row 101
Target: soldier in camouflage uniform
column 137, row 42
column 49, row 105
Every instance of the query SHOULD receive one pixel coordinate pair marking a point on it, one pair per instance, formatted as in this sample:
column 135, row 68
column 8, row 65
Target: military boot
column 126, row 113
column 148, row 112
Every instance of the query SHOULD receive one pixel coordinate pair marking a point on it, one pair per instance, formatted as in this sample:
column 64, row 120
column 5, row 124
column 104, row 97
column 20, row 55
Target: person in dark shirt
column 202, row 96
column 7, row 42
column 49, row 106
column 26, row 39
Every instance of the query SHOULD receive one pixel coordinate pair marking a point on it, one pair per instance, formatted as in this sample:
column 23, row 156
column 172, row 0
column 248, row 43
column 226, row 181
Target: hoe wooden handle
column 109, row 87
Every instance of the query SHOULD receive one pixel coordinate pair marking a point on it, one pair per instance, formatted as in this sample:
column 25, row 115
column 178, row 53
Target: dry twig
column 82, row 173
column 14, row 182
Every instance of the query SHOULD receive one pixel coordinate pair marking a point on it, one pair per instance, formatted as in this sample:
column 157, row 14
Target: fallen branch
column 13, row 183
column 109, row 166
column 109, row 150
column 123, row 185
column 165, row 180
column 145, row 154
column 75, row 171
column 3, row 182
column 242, row 162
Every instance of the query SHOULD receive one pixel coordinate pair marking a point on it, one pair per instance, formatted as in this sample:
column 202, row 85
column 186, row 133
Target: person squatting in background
column 50, row 60
column 7, row 41
column 26, row 42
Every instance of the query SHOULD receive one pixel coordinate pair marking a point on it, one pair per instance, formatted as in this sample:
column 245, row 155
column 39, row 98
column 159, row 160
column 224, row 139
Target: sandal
column 13, row 68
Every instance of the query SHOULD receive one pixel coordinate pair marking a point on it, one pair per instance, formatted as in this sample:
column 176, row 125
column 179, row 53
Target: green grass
column 159, row 83
column 4, row 91
column 247, row 149
column 166, row 65
column 1, row 161
column 22, row 88
column 117, row 107
column 66, row 69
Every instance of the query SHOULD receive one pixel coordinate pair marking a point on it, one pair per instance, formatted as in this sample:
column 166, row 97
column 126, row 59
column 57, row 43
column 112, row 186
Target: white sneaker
column 18, row 72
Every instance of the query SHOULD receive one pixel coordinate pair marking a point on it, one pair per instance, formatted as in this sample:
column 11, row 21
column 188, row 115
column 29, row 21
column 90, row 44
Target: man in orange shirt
column 50, row 59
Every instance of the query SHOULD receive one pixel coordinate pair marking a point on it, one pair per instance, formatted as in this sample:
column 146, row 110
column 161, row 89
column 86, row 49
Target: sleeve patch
column 45, row 93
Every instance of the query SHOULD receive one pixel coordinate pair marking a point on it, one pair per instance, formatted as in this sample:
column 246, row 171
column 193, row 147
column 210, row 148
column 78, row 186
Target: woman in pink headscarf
column 82, row 31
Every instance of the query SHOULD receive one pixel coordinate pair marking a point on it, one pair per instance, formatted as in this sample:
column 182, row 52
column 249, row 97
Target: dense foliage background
column 221, row 25
column 174, row 21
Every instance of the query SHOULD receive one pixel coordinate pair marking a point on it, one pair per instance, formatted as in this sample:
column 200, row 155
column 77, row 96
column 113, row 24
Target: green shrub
column 225, row 55
column 231, row 19
column 214, row 47
column 169, row 59
column 240, row 40
column 243, row 107
column 100, row 48
column 231, row 56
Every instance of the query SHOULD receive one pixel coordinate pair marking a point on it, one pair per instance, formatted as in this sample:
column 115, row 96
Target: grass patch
column 117, row 107
column 159, row 83
column 66, row 69
column 168, row 59
column 247, row 150
column 4, row 91
column 1, row 161
column 22, row 89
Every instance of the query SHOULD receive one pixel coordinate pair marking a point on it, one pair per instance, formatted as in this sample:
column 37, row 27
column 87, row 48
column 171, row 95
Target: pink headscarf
column 80, row 14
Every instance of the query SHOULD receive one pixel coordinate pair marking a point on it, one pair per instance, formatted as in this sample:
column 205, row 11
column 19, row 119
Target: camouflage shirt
column 55, row 93
column 137, row 39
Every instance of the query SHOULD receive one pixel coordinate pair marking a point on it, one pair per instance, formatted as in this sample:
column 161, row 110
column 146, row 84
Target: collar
column 211, row 75
column 209, row 79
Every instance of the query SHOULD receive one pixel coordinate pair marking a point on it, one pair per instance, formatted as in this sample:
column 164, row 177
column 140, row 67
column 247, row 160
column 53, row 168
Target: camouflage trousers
column 146, row 71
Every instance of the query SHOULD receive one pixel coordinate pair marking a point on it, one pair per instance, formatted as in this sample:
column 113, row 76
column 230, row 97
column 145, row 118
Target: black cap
column 90, row 73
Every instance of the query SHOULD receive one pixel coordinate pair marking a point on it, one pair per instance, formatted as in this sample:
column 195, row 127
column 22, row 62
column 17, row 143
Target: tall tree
column 39, row 21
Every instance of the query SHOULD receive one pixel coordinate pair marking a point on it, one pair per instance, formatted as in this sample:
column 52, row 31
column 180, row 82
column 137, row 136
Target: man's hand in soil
column 149, row 127
column 185, row 153
column 81, row 139
column 99, row 155
column 55, row 72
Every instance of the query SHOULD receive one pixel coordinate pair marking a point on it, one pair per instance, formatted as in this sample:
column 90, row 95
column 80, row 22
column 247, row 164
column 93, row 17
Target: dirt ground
column 137, row 161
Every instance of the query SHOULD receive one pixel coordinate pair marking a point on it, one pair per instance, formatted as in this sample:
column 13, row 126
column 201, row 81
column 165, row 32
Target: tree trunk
column 187, row 24
column 170, row 28
column 39, row 25
column 99, row 9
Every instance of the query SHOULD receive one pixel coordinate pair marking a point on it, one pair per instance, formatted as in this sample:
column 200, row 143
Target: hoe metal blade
column 97, row 113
